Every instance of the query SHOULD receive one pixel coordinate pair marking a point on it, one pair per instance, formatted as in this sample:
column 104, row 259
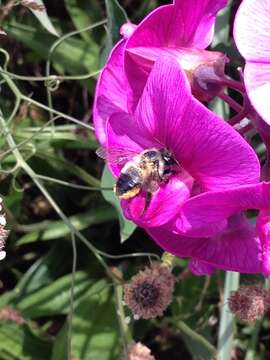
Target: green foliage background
column 70, row 250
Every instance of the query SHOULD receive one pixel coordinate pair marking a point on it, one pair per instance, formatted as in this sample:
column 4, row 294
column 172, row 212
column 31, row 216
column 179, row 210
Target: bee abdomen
column 125, row 184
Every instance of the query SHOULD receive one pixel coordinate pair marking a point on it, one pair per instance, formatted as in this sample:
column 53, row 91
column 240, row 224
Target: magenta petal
column 263, row 228
column 236, row 249
column 257, row 81
column 123, row 135
column 191, row 225
column 200, row 268
column 208, row 210
column 110, row 95
column 251, row 34
column 183, row 24
column 163, row 206
column 252, row 29
column 204, row 145
column 174, row 243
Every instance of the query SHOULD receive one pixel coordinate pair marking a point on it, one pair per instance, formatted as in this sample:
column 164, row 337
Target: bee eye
column 150, row 154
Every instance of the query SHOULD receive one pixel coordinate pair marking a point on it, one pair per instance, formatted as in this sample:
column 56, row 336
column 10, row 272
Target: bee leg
column 148, row 198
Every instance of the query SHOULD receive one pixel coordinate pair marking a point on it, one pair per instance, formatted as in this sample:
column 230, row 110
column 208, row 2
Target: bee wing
column 116, row 155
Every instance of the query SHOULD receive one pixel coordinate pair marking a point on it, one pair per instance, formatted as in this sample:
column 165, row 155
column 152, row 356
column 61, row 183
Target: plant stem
column 51, row 77
column 19, row 97
column 234, row 84
column 127, row 338
column 59, row 113
column 54, row 47
column 185, row 329
column 71, row 311
column 21, row 163
column 225, row 334
column 233, row 104
column 251, row 350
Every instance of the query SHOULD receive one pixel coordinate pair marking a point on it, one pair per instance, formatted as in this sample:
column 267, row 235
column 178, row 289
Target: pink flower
column 182, row 29
column 236, row 247
column 111, row 91
column 228, row 241
column 210, row 154
column 252, row 37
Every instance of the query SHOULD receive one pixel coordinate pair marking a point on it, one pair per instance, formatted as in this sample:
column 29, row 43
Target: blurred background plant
column 69, row 250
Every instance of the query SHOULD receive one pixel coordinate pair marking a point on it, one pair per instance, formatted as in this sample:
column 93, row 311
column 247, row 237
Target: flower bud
column 127, row 29
column 206, row 77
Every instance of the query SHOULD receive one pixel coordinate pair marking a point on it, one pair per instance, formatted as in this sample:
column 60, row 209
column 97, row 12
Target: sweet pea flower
column 252, row 37
column 237, row 247
column 111, row 91
column 236, row 244
column 211, row 155
column 182, row 29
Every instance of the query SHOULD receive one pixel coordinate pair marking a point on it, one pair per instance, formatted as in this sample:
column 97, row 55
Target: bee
column 141, row 172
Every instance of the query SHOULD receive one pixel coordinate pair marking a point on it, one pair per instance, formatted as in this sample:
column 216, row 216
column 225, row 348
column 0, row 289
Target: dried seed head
column 249, row 302
column 9, row 314
column 138, row 351
column 150, row 292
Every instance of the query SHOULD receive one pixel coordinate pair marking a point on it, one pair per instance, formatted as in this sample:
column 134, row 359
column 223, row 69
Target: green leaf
column 198, row 346
column 43, row 18
column 94, row 331
column 70, row 167
column 55, row 298
column 43, row 271
column 222, row 27
column 14, row 202
column 19, row 343
column 57, row 229
column 83, row 13
column 221, row 37
column 126, row 227
column 116, row 16
column 73, row 56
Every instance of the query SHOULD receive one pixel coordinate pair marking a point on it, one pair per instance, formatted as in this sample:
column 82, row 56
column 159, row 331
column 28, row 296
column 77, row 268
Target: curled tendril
column 52, row 83
column 31, row 151
column 14, row 183
column 11, row 170
column 7, row 58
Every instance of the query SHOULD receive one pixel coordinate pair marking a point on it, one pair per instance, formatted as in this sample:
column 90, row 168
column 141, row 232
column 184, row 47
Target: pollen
column 250, row 302
column 130, row 194
column 150, row 291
